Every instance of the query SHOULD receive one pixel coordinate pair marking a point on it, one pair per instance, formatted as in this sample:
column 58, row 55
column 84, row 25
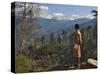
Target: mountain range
column 46, row 26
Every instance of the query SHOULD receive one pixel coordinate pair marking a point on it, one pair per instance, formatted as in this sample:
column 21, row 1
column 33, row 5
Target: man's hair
column 77, row 26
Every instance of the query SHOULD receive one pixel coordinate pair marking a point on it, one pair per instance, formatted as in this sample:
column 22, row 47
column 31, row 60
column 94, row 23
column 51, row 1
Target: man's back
column 77, row 39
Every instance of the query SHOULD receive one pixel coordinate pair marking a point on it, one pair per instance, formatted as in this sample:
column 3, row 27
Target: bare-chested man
column 77, row 44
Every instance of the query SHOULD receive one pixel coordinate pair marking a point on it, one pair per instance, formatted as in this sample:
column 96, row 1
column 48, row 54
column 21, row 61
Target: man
column 77, row 44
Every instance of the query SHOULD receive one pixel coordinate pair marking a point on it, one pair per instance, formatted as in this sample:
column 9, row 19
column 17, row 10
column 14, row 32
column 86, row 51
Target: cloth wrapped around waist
column 77, row 52
column 76, row 46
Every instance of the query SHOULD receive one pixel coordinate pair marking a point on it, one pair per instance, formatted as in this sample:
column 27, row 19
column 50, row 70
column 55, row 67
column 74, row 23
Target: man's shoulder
column 79, row 32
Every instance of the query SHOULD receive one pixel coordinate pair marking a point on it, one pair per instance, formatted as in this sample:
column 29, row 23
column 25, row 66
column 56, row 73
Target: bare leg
column 78, row 63
column 75, row 62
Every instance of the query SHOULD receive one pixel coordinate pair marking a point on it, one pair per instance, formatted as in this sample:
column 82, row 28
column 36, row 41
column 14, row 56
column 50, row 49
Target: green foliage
column 23, row 63
column 42, row 53
column 89, row 45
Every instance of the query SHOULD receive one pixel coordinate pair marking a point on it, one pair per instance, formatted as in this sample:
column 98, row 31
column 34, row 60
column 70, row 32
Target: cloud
column 72, row 17
column 58, row 14
column 46, row 16
column 49, row 17
column 43, row 11
column 89, row 16
column 44, row 7
column 55, row 15
column 76, row 16
column 61, row 16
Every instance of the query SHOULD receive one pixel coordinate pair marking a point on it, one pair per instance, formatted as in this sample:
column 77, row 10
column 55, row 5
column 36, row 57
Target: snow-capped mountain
column 54, row 25
column 45, row 26
column 62, row 16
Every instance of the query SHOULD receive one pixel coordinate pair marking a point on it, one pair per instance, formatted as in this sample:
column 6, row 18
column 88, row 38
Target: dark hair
column 77, row 26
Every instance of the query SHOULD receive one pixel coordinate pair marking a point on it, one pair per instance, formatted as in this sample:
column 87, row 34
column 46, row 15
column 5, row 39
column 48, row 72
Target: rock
column 92, row 62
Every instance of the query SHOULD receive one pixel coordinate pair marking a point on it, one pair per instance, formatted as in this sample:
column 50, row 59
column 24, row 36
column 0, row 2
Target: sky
column 69, row 9
column 64, row 12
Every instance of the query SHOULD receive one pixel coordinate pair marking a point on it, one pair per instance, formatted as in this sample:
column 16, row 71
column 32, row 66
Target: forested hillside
column 54, row 49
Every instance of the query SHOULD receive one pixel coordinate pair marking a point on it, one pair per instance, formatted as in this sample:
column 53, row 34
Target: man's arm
column 80, row 36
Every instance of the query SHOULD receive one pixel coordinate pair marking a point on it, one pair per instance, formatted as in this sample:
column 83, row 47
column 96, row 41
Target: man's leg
column 75, row 58
column 78, row 58
column 78, row 65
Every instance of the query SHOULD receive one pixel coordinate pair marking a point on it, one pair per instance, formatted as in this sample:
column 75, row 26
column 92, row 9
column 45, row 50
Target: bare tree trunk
column 21, row 34
column 22, row 29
